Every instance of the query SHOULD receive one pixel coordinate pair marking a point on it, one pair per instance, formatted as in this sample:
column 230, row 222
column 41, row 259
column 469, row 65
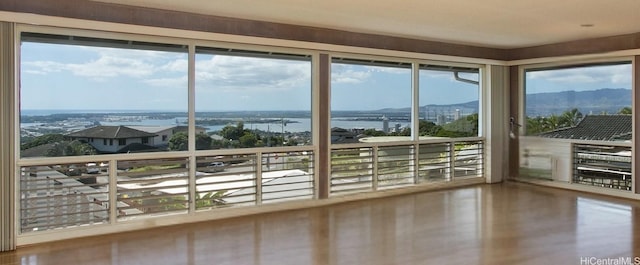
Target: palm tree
column 570, row 118
column 625, row 110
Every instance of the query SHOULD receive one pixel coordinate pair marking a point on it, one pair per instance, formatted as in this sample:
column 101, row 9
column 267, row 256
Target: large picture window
column 560, row 98
column 449, row 101
column 125, row 106
column 578, row 124
column 77, row 94
column 252, row 99
column 370, row 101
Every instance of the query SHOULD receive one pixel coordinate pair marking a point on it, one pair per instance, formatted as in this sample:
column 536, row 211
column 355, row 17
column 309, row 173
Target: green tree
column 292, row 142
column 373, row 132
column 464, row 127
column 569, row 118
column 273, row 140
column 222, row 143
column 44, row 139
column 233, row 132
column 625, row 111
column 248, row 140
column 428, row 128
column 72, row 148
column 210, row 199
column 203, row 141
column 551, row 123
column 404, row 132
column 535, row 125
column 179, row 142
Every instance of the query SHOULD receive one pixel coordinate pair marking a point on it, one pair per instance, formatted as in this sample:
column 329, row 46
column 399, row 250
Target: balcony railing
column 58, row 196
column 58, row 193
column 366, row 167
column 604, row 164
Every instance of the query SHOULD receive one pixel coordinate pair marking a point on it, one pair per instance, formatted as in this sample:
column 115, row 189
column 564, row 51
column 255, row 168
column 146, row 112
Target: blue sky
column 579, row 79
column 55, row 76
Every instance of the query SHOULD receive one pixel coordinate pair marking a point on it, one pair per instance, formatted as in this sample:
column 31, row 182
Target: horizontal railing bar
column 364, row 158
column 53, row 216
column 231, row 195
column 65, row 189
column 226, row 181
column 162, row 196
column 286, row 184
column 153, row 173
column 223, row 174
column 360, row 167
column 155, row 205
column 285, row 191
column 151, row 181
column 352, row 177
column 358, row 189
column 59, row 225
column 367, row 184
column 100, row 158
column 286, row 197
column 90, row 215
column 143, row 189
column 407, row 143
column 48, row 200
column 151, row 213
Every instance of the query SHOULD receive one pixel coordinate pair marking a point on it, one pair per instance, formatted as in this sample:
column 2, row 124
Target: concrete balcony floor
column 509, row 223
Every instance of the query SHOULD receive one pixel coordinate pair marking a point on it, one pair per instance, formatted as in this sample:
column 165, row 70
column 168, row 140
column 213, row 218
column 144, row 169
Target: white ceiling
column 489, row 23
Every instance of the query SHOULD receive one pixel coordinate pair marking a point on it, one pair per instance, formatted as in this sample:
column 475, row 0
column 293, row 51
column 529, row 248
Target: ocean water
column 298, row 124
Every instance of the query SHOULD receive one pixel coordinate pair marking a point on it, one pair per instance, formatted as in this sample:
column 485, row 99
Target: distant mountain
column 605, row 100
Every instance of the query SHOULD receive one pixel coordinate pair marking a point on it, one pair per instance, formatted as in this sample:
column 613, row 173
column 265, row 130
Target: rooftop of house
column 137, row 147
column 110, row 132
column 596, row 127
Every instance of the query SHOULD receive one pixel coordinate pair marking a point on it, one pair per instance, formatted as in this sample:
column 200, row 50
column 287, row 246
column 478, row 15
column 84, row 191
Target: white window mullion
column 192, row 127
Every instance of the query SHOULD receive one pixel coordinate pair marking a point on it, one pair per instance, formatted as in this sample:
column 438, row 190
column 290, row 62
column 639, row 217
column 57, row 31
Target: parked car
column 216, row 166
column 104, row 166
column 92, row 168
column 73, row 170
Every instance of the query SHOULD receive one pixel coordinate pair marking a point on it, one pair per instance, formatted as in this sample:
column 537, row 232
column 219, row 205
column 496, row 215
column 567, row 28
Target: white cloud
column 107, row 66
column 350, row 76
column 107, row 63
column 177, row 82
column 613, row 74
column 389, row 70
column 355, row 74
column 42, row 67
column 179, row 66
column 232, row 73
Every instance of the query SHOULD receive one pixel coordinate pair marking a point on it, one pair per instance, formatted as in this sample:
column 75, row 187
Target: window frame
column 415, row 66
column 523, row 69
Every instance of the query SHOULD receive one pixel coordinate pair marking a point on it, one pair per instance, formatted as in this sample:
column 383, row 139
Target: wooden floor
column 507, row 223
